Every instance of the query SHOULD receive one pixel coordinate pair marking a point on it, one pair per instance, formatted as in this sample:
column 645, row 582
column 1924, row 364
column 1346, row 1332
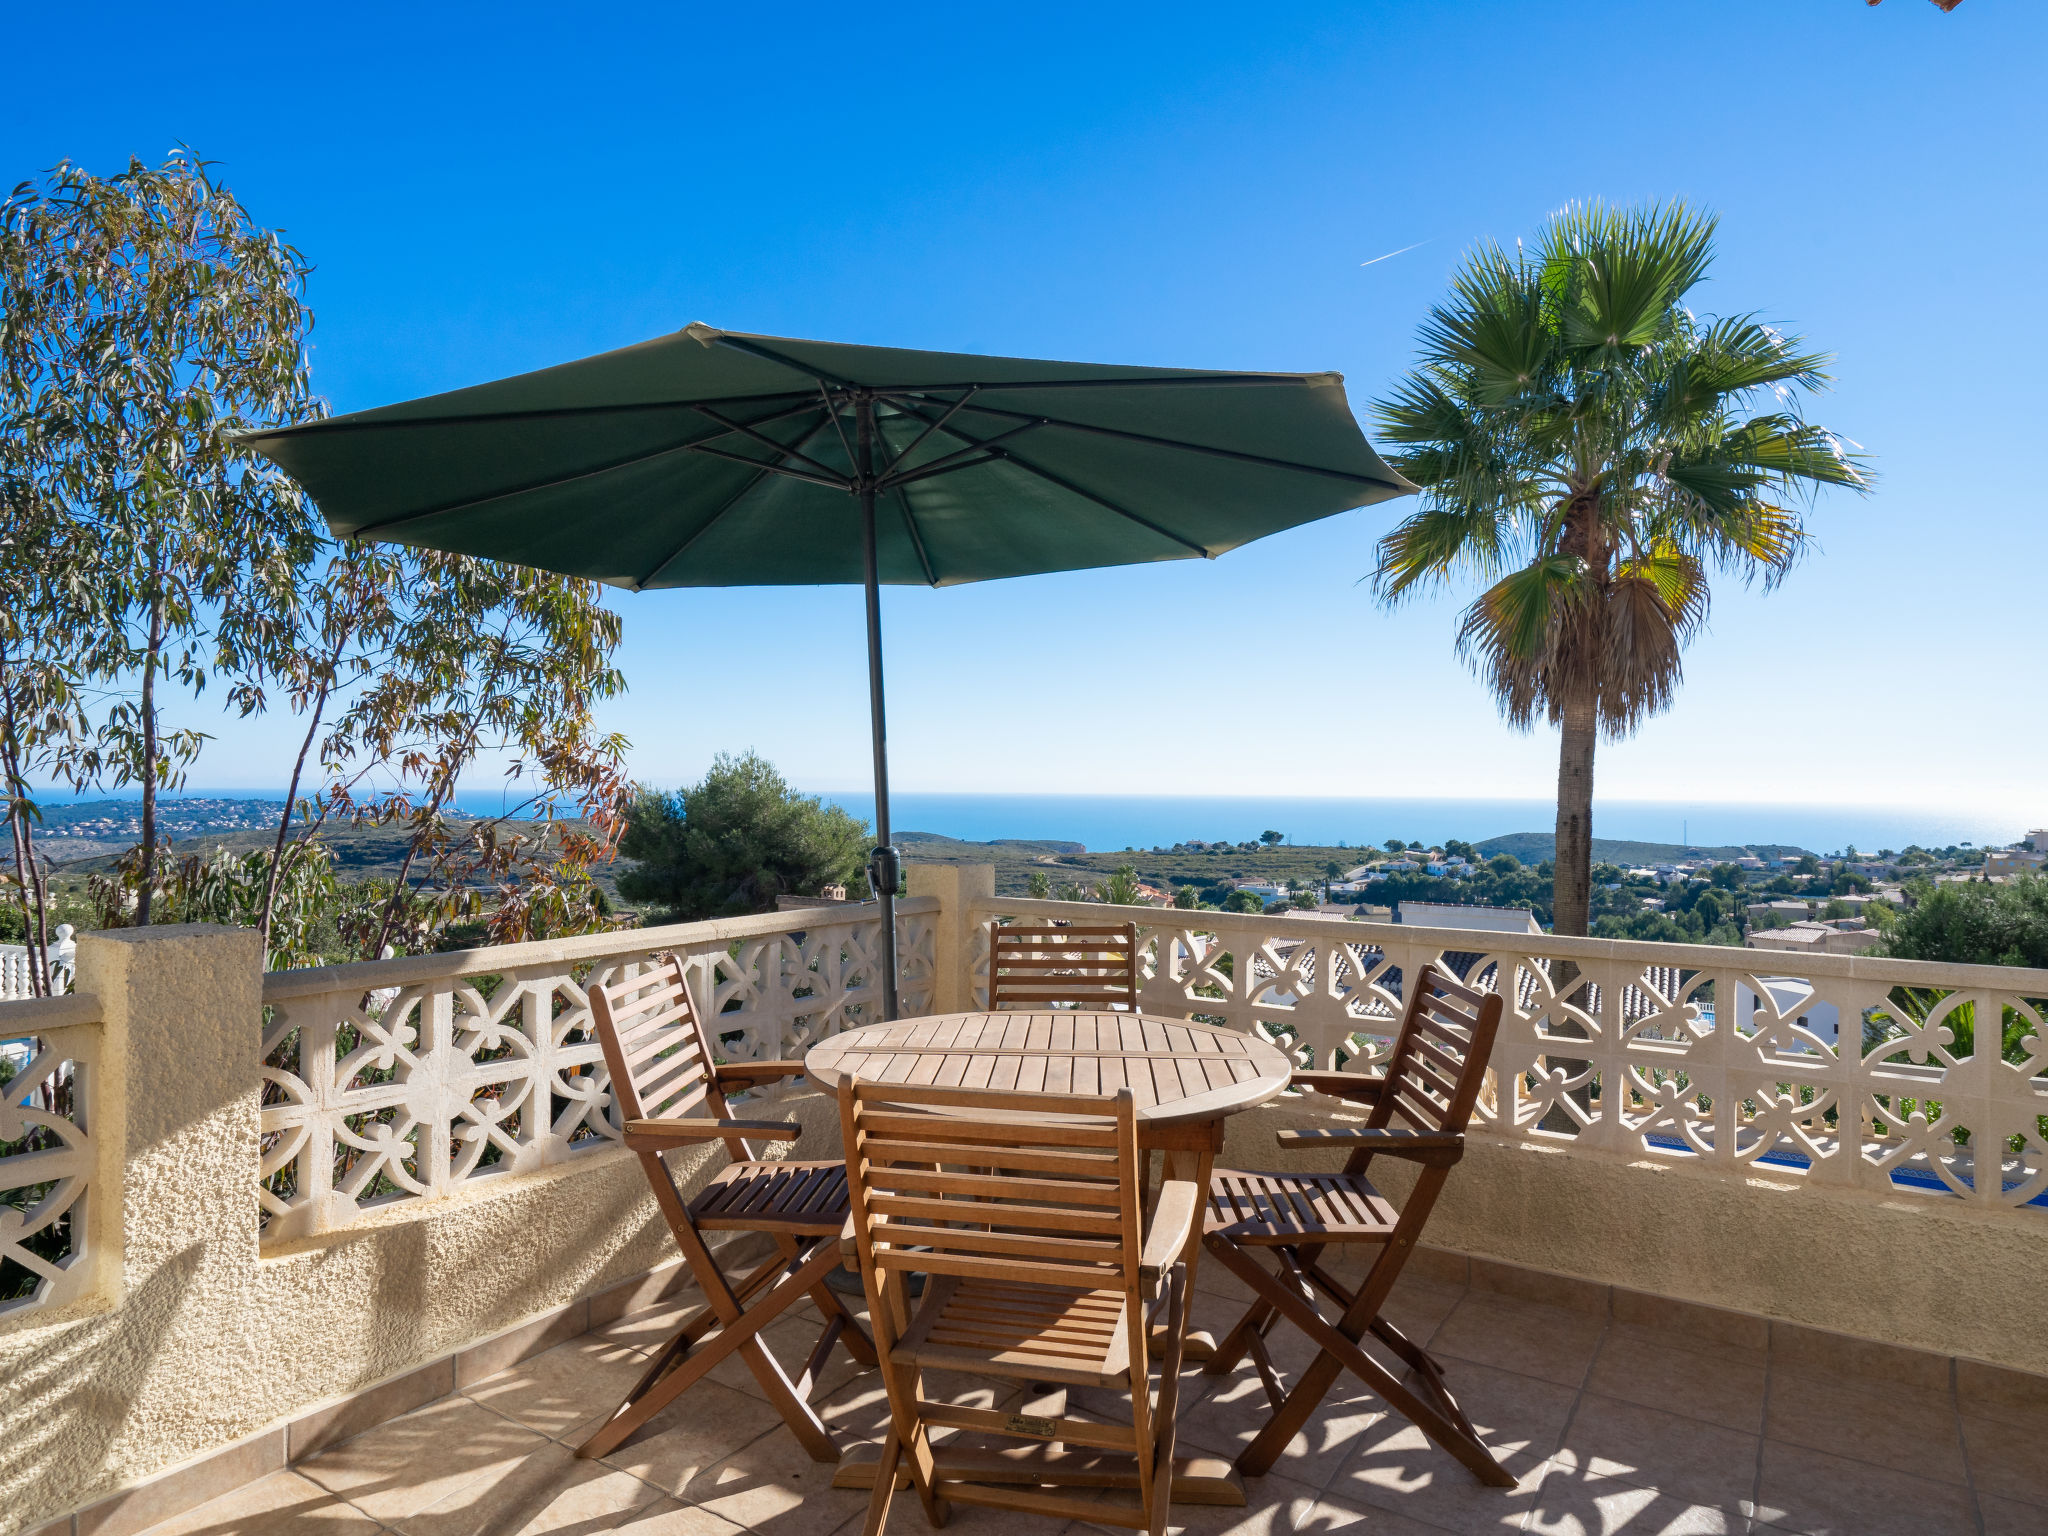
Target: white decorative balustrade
column 1844, row 1070
column 49, row 1053
column 17, row 966
column 412, row 1079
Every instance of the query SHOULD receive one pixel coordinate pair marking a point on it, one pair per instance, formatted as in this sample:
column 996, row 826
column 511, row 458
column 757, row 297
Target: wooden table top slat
column 1177, row 1070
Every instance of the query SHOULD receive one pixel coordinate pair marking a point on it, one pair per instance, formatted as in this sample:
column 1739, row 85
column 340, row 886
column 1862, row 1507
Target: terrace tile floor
column 1611, row 1427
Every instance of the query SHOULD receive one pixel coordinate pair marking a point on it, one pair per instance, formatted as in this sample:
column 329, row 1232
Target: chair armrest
column 1172, row 1219
column 747, row 1073
column 680, row 1133
column 1439, row 1149
column 1340, row 1085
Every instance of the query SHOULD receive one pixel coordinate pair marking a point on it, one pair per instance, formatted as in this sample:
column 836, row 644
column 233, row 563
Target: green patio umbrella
column 714, row 458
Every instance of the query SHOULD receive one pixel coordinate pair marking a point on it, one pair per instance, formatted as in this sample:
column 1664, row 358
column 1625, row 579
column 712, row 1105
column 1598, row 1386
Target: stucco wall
column 204, row 1339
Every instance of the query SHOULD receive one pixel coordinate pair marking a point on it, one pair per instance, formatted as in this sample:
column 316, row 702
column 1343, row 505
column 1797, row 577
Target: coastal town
column 1779, row 899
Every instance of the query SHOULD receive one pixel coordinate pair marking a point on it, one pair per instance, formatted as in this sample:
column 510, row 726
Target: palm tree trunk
column 1572, row 879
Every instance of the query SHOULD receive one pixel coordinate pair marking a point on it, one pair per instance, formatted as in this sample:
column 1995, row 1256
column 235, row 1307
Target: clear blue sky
column 500, row 188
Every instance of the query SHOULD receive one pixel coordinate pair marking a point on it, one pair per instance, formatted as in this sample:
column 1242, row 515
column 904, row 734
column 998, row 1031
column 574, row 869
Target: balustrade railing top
column 1847, row 1070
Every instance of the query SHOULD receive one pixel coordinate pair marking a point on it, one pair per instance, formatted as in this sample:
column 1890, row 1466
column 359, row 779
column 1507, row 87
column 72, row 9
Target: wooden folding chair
column 1429, row 1086
column 672, row 1094
column 1023, row 1211
column 1076, row 965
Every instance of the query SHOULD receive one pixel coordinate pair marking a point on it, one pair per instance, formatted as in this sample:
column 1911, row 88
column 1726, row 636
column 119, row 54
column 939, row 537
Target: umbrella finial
column 698, row 331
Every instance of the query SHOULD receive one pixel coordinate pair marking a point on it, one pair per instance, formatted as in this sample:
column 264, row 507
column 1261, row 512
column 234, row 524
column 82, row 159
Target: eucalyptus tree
column 1589, row 449
column 54, row 627
column 476, row 665
column 171, row 321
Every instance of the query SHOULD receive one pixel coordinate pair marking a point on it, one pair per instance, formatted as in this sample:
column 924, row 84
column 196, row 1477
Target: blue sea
column 1137, row 821
column 1141, row 821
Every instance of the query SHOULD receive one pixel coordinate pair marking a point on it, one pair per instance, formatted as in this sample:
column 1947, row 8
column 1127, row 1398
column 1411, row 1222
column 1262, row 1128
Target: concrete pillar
column 177, row 1094
column 183, row 1011
column 955, row 885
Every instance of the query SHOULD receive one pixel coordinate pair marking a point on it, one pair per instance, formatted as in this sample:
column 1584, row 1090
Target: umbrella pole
column 883, row 866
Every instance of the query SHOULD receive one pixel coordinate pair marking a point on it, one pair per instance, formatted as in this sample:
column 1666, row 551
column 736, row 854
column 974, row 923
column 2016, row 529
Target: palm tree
column 1588, row 448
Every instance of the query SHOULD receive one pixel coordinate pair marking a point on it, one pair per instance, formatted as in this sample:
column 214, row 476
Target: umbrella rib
column 832, row 412
column 1103, row 501
column 1168, row 442
column 1008, row 457
column 930, row 427
column 817, row 375
column 762, row 472
column 945, row 464
column 369, row 422
column 471, row 503
column 931, row 576
column 1196, row 380
column 775, row 469
column 763, row 437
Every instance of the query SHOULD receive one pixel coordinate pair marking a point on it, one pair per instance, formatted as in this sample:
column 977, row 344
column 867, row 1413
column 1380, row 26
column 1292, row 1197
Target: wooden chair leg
column 839, row 1319
column 1166, row 1416
column 885, row 1485
column 660, row 1387
column 1340, row 1352
column 1230, row 1349
column 705, row 1318
column 852, row 1335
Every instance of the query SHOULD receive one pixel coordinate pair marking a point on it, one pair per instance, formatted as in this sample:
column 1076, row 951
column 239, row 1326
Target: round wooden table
column 1187, row 1078
column 1181, row 1073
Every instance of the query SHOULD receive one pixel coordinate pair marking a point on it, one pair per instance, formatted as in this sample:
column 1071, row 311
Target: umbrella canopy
column 711, row 458
column 716, row 458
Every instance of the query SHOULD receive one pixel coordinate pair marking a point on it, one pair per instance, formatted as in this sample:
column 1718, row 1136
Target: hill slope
column 1535, row 847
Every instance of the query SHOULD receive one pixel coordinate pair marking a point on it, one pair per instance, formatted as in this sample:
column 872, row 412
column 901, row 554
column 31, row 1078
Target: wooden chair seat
column 1041, row 1332
column 805, row 1199
column 1280, row 1209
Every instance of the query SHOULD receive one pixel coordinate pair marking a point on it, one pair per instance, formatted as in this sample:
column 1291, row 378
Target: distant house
column 1444, row 914
column 1792, row 1000
column 1785, row 907
column 1332, row 912
column 1816, row 939
column 2016, row 861
column 1265, row 890
column 2038, row 839
column 1355, row 887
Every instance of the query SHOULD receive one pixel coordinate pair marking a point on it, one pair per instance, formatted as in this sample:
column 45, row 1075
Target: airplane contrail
column 1392, row 254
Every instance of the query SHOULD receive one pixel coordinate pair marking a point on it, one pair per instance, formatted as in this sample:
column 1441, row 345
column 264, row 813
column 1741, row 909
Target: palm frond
column 1515, row 616
column 1623, row 273
column 1495, row 332
column 1791, row 450
column 1428, row 547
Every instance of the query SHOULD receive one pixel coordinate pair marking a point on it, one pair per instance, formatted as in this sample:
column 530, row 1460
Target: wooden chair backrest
column 660, row 1066
column 1078, row 965
column 1439, row 1062
column 1017, row 1188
